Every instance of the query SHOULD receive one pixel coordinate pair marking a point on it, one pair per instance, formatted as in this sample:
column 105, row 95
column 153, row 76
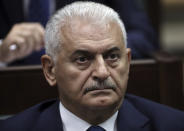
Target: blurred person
column 28, row 37
column 88, row 59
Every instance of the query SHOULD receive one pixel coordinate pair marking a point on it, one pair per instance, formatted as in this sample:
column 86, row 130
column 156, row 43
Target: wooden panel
column 22, row 87
column 170, row 79
column 143, row 79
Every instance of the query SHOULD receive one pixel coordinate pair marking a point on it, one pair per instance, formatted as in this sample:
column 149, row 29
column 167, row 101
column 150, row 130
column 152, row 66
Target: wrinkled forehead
column 91, row 29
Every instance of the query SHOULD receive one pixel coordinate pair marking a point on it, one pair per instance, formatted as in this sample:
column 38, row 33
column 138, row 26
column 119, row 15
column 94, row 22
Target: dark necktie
column 38, row 11
column 95, row 128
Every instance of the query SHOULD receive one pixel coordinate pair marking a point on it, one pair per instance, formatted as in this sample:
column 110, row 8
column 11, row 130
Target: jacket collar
column 129, row 118
column 50, row 119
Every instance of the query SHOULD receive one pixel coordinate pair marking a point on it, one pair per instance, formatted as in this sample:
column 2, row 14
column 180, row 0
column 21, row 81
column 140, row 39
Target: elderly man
column 86, row 57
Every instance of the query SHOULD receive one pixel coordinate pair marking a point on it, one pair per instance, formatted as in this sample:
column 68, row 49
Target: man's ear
column 49, row 69
column 128, row 51
column 128, row 57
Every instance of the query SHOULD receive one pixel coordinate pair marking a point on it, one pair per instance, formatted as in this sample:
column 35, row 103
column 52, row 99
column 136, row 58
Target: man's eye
column 82, row 59
column 113, row 57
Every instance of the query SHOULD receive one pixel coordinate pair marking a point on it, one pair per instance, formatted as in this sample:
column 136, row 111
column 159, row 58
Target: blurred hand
column 27, row 37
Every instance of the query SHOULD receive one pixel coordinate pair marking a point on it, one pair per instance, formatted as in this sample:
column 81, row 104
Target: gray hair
column 95, row 11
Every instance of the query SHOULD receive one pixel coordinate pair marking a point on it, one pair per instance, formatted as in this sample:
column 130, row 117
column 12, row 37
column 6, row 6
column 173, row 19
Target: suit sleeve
column 141, row 37
column 4, row 23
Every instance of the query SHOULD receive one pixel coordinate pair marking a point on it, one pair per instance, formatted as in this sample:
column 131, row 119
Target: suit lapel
column 14, row 10
column 50, row 119
column 130, row 119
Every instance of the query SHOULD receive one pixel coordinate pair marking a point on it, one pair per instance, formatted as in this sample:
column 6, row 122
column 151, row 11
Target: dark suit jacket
column 141, row 37
column 136, row 114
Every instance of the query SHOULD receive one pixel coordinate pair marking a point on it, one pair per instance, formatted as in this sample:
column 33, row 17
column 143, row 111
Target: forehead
column 91, row 35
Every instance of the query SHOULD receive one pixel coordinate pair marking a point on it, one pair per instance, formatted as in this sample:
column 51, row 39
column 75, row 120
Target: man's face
column 92, row 67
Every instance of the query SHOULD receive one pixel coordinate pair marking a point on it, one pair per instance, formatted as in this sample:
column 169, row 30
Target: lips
column 94, row 88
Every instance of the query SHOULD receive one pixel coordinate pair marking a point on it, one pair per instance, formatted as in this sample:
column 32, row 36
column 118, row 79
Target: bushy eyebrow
column 88, row 53
column 81, row 52
column 111, row 50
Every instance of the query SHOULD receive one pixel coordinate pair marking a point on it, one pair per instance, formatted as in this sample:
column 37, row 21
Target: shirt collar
column 80, row 125
column 110, row 124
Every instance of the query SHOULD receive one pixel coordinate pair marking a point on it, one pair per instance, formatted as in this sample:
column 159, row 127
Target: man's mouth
column 94, row 88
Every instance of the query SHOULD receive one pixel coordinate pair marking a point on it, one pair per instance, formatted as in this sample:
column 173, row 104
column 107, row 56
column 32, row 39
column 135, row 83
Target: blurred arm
column 21, row 41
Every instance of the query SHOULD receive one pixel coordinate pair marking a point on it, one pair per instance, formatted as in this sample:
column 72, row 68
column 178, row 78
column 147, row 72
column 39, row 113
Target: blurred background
column 172, row 26
column 167, row 17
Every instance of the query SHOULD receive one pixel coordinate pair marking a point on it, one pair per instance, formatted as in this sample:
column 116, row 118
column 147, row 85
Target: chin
column 103, row 103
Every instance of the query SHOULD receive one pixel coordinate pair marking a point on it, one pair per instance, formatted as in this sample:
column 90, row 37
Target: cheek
column 120, row 76
column 71, row 78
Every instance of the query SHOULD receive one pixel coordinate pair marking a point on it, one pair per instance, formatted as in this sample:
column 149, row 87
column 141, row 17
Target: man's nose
column 100, row 71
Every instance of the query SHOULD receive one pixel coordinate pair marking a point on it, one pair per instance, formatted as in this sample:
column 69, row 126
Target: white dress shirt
column 73, row 123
